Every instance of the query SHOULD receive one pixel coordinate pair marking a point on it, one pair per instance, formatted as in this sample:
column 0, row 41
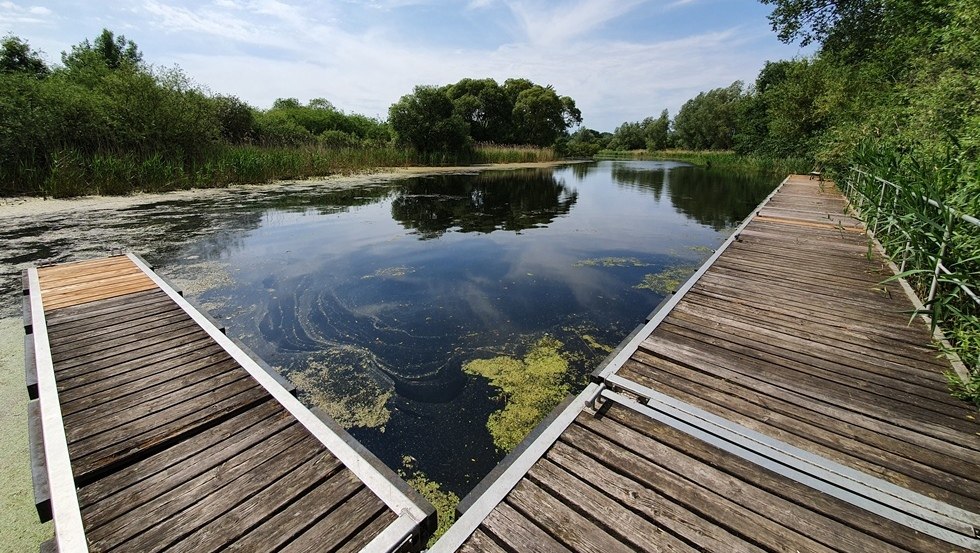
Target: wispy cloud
column 554, row 23
column 363, row 57
column 12, row 14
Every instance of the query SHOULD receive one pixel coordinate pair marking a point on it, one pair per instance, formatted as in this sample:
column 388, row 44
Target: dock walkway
column 780, row 401
column 152, row 430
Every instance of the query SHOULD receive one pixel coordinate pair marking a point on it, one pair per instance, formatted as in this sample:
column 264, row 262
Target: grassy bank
column 73, row 173
column 725, row 160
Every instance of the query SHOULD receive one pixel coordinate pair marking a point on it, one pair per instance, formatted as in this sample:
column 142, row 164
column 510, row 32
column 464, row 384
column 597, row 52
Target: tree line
column 899, row 75
column 103, row 116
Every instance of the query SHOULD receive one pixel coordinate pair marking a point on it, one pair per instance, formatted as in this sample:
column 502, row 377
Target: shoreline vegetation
column 77, row 175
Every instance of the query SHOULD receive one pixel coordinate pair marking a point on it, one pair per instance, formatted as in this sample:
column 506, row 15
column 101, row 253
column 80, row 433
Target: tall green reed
column 914, row 206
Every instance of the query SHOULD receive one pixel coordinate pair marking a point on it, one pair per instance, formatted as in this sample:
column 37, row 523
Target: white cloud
column 611, row 82
column 550, row 23
column 13, row 14
column 261, row 50
column 479, row 4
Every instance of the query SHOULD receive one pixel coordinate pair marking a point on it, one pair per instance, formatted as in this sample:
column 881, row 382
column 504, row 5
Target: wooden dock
column 151, row 430
column 780, row 401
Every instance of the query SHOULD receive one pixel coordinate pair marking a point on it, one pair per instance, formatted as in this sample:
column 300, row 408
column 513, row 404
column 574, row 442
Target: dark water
column 385, row 291
column 374, row 296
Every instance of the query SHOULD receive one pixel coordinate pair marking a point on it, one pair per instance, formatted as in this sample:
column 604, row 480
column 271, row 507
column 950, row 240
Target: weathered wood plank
column 518, row 533
column 869, row 411
column 136, row 374
column 64, row 318
column 91, row 456
column 651, row 504
column 921, row 470
column 480, row 542
column 80, row 363
column 128, row 358
column 80, row 352
column 626, row 526
column 227, row 527
column 567, row 526
column 363, row 537
column 130, row 317
column 823, row 518
column 118, row 334
column 130, row 487
column 719, row 499
column 154, row 514
column 291, row 522
column 245, row 488
column 339, row 526
column 920, row 359
column 876, row 370
column 200, row 376
column 816, row 376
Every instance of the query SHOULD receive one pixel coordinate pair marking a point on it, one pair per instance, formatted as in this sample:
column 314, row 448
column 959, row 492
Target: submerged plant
column 668, row 280
column 444, row 501
column 611, row 262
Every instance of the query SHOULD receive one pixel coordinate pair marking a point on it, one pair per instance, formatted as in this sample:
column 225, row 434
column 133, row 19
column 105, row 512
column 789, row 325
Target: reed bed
column 714, row 159
column 921, row 210
column 71, row 172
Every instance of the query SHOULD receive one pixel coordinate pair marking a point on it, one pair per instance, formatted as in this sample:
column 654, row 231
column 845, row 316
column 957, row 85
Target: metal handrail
column 936, row 260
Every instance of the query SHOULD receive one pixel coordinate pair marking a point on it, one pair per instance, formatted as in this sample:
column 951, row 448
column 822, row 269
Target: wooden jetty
column 151, row 430
column 780, row 401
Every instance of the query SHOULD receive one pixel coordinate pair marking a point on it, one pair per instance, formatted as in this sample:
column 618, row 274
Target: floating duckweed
column 349, row 396
column 531, row 388
column 703, row 250
column 595, row 345
column 668, row 280
column 445, row 502
column 611, row 262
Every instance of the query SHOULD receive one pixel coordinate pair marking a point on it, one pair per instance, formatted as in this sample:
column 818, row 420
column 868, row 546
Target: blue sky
column 620, row 60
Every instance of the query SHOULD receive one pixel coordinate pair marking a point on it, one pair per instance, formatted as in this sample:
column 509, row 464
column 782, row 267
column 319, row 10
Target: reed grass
column 727, row 160
column 71, row 172
column 915, row 233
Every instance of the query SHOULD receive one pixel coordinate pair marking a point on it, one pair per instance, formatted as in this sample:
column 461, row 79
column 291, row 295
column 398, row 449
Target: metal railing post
column 947, row 234
column 881, row 198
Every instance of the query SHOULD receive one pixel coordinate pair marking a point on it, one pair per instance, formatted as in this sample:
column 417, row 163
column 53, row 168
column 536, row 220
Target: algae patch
column 611, row 262
column 390, row 272
column 350, row 396
column 595, row 344
column 444, row 501
column 668, row 280
column 530, row 387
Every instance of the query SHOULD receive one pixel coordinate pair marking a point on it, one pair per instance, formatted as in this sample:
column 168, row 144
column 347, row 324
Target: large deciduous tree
column 517, row 112
column 114, row 52
column 16, row 56
column 427, row 121
column 709, row 120
column 540, row 116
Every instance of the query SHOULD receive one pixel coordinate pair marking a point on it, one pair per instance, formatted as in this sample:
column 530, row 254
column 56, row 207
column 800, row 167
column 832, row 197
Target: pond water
column 373, row 298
